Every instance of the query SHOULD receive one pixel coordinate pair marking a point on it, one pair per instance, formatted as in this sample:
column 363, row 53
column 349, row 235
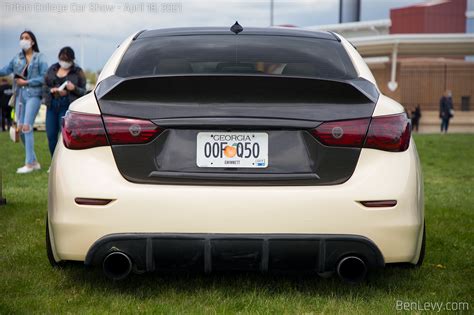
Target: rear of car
column 207, row 150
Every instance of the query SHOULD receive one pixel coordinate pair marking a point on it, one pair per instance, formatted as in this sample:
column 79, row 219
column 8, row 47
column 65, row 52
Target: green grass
column 28, row 284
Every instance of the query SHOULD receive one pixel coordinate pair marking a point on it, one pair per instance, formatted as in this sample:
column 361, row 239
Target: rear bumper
column 249, row 252
column 184, row 209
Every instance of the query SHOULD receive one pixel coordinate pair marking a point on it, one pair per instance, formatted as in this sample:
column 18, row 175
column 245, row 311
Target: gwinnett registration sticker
column 232, row 149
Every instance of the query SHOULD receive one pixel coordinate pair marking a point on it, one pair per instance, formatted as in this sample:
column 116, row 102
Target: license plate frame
column 222, row 149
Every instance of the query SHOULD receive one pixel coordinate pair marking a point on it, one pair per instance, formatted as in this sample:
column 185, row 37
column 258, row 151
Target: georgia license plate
column 232, row 149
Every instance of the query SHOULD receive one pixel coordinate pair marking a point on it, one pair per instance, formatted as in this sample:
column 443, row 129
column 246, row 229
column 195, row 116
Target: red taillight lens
column 344, row 133
column 82, row 131
column 389, row 133
column 129, row 130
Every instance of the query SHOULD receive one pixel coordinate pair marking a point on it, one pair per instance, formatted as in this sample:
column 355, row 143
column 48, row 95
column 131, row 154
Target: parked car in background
column 40, row 120
column 251, row 148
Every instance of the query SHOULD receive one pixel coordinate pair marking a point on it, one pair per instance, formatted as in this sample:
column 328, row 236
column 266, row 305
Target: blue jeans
column 56, row 111
column 27, row 108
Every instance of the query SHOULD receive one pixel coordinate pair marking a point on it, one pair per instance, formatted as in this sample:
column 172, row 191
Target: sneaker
column 36, row 166
column 25, row 170
column 49, row 169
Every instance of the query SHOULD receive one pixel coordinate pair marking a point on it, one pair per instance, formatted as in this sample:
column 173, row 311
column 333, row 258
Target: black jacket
column 5, row 94
column 445, row 107
column 76, row 76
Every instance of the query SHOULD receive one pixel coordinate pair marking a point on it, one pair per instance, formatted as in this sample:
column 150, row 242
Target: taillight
column 82, row 131
column 388, row 133
column 344, row 133
column 129, row 130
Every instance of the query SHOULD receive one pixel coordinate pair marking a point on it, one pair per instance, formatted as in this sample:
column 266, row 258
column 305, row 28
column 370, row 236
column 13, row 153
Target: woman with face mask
column 64, row 83
column 28, row 67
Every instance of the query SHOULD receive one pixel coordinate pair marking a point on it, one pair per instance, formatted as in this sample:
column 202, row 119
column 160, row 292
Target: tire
column 423, row 248
column 49, row 249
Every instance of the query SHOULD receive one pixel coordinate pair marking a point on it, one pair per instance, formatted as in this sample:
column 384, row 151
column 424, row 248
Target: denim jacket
column 36, row 71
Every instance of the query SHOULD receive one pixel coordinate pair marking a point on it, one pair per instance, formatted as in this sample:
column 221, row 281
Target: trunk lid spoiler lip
column 253, row 123
column 367, row 88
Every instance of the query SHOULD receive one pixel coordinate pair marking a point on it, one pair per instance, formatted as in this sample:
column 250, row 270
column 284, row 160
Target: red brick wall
column 448, row 16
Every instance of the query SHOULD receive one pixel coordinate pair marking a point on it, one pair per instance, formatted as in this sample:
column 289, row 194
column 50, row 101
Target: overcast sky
column 102, row 25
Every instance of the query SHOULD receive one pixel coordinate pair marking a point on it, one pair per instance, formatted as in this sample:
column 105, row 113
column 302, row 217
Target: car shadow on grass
column 153, row 284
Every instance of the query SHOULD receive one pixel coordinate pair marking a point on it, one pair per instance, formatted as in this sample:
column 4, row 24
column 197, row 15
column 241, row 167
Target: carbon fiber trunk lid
column 285, row 108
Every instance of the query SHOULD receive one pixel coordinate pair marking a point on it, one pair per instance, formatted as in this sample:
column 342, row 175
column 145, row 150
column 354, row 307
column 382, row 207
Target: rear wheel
column 49, row 249
column 423, row 248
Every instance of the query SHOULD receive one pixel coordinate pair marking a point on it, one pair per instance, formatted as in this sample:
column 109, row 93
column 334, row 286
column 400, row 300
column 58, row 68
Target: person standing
column 64, row 83
column 5, row 94
column 29, row 67
column 415, row 118
column 446, row 111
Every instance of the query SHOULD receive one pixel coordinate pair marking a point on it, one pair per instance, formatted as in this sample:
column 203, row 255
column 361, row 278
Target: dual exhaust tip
column 118, row 265
column 352, row 269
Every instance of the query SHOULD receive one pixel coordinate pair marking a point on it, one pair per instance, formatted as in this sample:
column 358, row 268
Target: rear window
column 236, row 54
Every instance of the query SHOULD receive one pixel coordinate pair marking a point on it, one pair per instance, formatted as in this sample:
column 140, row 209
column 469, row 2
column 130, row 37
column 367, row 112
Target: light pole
column 271, row 12
column 81, row 40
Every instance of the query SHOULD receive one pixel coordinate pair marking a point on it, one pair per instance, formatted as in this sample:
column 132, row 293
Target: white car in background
column 40, row 120
column 251, row 148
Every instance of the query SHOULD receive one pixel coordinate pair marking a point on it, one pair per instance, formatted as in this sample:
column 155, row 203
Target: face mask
column 65, row 64
column 25, row 44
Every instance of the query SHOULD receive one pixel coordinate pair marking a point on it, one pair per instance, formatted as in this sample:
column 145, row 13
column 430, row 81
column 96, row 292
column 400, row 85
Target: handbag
column 11, row 101
column 14, row 133
column 451, row 112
